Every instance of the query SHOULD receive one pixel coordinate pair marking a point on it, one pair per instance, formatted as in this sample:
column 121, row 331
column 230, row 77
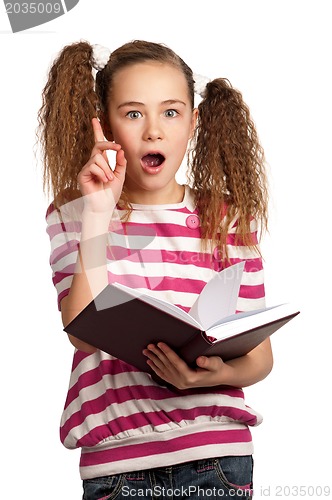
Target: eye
column 133, row 115
column 170, row 113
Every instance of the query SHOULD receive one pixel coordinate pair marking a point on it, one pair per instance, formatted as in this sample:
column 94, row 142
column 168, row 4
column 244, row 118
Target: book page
column 245, row 321
column 167, row 307
column 218, row 298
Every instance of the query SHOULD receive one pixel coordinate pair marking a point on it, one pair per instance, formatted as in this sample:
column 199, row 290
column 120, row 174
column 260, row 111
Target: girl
column 135, row 224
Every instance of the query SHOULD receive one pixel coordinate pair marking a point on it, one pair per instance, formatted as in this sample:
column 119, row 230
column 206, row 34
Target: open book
column 122, row 321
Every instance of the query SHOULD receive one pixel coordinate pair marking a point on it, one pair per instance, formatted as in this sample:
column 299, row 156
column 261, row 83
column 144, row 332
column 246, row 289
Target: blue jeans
column 225, row 477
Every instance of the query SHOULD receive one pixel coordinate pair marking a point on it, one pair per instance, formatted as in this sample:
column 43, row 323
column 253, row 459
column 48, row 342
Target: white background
column 278, row 53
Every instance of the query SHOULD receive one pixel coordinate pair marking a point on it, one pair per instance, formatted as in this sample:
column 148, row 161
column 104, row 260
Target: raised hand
column 100, row 186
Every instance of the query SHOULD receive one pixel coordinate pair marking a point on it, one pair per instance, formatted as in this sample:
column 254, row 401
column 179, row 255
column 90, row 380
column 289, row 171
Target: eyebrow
column 137, row 103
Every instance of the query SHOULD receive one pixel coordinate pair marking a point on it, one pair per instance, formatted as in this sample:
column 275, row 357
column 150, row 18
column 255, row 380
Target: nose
column 153, row 129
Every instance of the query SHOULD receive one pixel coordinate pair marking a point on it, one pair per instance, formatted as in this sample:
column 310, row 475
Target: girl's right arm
column 101, row 189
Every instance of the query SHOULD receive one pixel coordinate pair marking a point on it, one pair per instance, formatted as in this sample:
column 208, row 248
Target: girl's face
column 150, row 115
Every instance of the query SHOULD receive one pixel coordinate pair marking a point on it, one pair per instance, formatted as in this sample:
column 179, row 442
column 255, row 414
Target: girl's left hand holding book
column 171, row 368
column 211, row 370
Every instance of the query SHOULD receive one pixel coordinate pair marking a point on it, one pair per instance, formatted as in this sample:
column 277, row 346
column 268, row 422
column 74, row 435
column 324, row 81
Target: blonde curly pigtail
column 227, row 167
column 66, row 135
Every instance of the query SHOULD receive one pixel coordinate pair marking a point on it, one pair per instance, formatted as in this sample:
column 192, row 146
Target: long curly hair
column 227, row 167
column 226, row 161
column 69, row 103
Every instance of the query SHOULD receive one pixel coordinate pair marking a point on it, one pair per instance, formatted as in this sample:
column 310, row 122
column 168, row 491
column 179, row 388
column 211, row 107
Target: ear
column 194, row 118
column 105, row 125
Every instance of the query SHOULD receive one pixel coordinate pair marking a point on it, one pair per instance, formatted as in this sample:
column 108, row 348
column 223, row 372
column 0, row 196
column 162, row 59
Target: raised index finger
column 97, row 130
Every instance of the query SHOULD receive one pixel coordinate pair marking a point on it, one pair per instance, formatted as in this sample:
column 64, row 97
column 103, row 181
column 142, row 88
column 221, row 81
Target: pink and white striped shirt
column 119, row 416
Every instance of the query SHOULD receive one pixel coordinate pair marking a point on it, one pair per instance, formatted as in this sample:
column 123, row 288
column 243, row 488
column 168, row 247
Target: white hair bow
column 100, row 56
column 200, row 84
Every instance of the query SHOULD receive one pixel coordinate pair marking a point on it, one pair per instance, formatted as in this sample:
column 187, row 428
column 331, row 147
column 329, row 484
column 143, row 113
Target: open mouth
column 152, row 160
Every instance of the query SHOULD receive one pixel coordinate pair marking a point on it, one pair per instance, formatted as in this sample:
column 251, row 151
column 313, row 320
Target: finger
column 211, row 363
column 171, row 356
column 103, row 146
column 121, row 162
column 157, row 361
column 202, row 362
column 99, row 160
column 98, row 172
column 167, row 360
column 97, row 130
column 157, row 370
column 155, row 355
